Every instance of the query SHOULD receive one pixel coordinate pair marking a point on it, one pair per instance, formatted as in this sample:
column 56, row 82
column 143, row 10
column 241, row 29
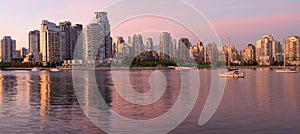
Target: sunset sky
column 243, row 21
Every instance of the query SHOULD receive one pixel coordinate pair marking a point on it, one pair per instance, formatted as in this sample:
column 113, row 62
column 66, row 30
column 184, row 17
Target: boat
column 233, row 74
column 232, row 69
column 173, row 67
column 186, row 68
column 35, row 69
column 285, row 69
column 54, row 70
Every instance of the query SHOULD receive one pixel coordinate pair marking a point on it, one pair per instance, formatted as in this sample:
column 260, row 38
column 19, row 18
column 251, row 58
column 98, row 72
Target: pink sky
column 243, row 21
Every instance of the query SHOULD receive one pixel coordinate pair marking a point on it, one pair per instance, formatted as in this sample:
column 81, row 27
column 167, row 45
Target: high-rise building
column 50, row 35
column 92, row 42
column 137, row 45
column 268, row 50
column 14, row 48
column 34, row 44
column 76, row 39
column 149, row 44
column 7, row 49
column 184, row 46
column 249, row 53
column 198, row 52
column 65, row 40
column 292, row 50
column 211, row 53
column 118, row 47
column 222, row 54
column 101, row 18
column 122, row 48
column 231, row 53
column 165, row 46
column 34, row 41
column 23, row 52
column 174, row 49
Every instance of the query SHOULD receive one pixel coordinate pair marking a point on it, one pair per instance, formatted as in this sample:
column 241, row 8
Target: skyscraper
column 65, row 40
column 165, row 46
column 136, row 44
column 149, row 44
column 118, row 46
column 174, row 48
column 211, row 53
column 50, row 42
column 7, row 49
column 102, row 19
column 23, row 52
column 34, row 44
column 231, row 53
column 292, row 49
column 198, row 52
column 92, row 42
column 184, row 46
column 76, row 39
column 249, row 53
column 268, row 50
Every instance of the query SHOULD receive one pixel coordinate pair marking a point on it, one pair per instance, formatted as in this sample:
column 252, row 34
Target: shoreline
column 140, row 68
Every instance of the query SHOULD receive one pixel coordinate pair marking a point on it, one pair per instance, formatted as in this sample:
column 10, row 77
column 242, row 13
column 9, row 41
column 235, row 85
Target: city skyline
column 243, row 21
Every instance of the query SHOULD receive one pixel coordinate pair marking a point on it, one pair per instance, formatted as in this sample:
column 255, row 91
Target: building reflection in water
column 8, row 94
column 44, row 94
column 140, row 82
column 262, row 89
column 291, row 90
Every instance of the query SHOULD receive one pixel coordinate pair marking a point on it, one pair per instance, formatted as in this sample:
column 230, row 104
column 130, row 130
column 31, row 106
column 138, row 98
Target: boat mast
column 228, row 56
column 284, row 56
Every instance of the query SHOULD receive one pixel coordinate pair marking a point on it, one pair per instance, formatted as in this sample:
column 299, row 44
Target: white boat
column 286, row 70
column 186, row 68
column 35, row 69
column 233, row 74
column 54, row 70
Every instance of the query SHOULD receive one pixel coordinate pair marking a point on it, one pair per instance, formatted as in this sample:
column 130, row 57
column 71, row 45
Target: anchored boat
column 233, row 74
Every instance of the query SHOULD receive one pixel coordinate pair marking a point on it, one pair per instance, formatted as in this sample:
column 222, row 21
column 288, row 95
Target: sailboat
column 232, row 72
column 284, row 69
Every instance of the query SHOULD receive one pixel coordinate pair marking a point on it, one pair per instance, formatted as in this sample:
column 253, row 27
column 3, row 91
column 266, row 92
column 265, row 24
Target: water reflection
column 40, row 103
column 44, row 102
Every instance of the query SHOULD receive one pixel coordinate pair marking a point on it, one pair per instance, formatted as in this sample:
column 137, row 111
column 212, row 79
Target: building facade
column 249, row 53
column 34, row 44
column 174, row 50
column 136, row 44
column 292, row 50
column 211, row 53
column 65, row 40
column 50, row 35
column 268, row 50
column 23, row 52
column 7, row 49
column 184, row 47
column 76, row 45
column 105, row 51
column 149, row 44
column 165, row 46
column 92, row 42
column 119, row 44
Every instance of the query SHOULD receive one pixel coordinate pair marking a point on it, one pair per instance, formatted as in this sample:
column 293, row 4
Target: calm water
column 44, row 102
